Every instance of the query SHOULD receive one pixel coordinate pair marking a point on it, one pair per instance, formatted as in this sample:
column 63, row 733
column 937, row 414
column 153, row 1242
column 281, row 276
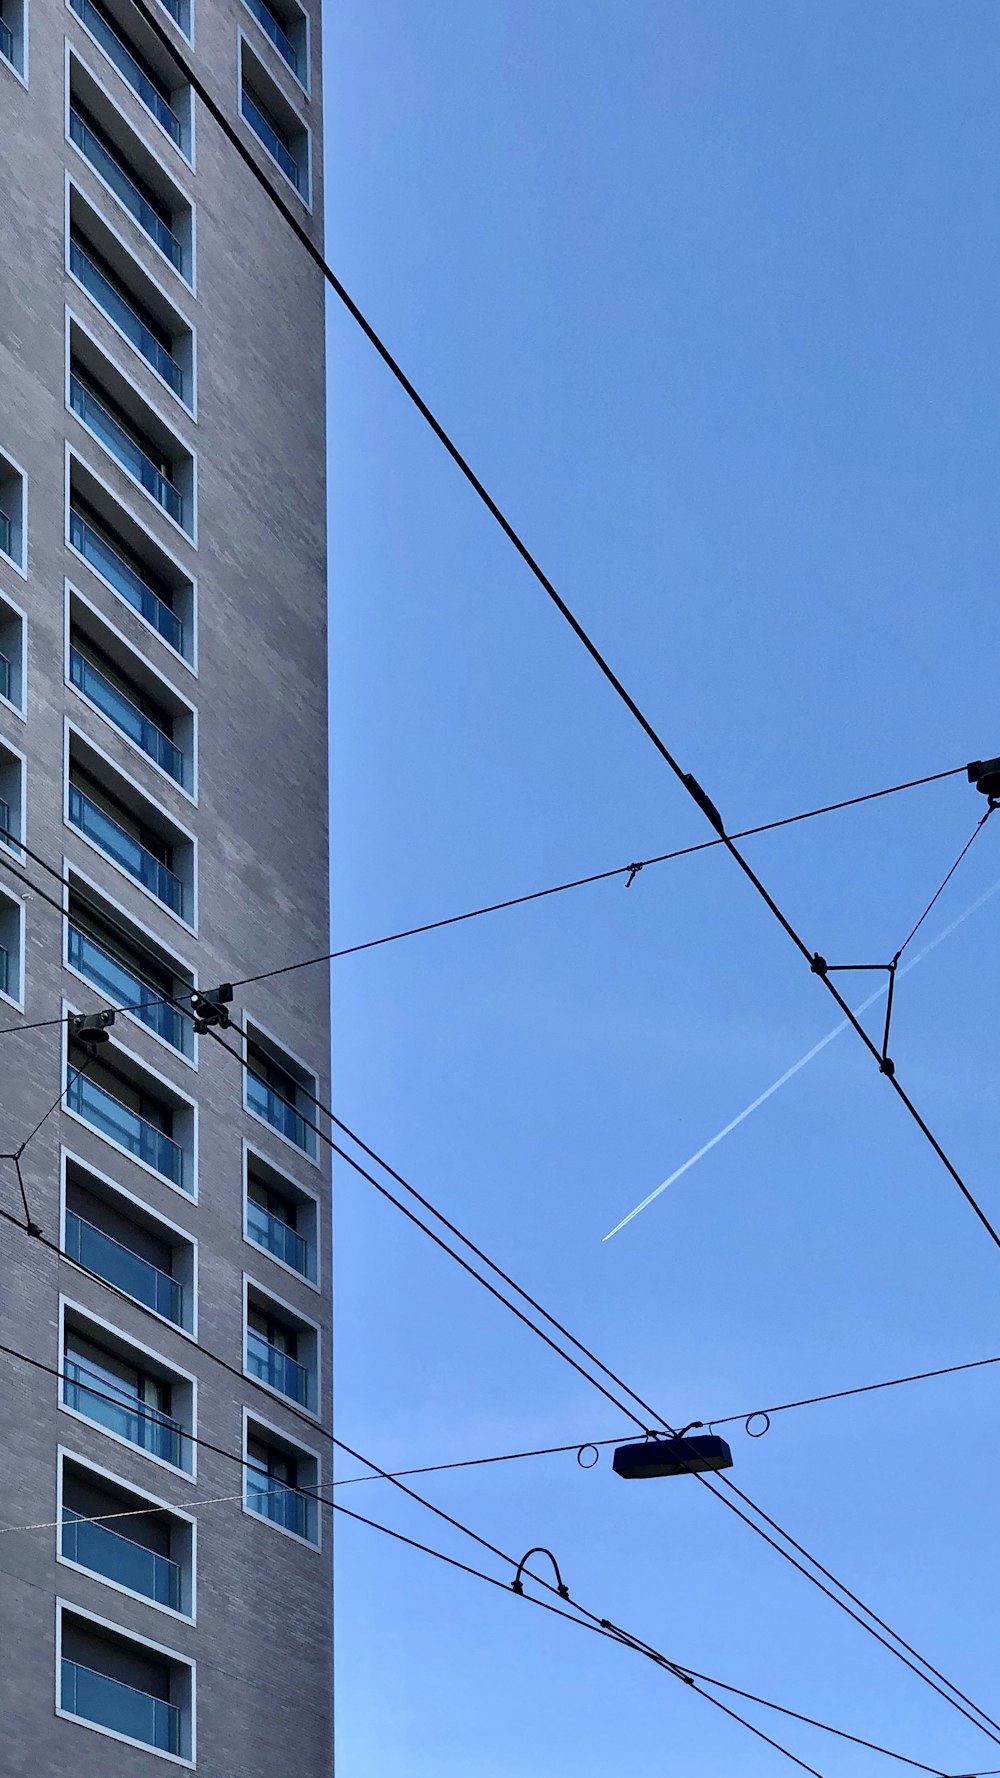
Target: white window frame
column 252, row 1024
column 99, row 1323
column 159, row 1079
column 21, row 567
column 305, row 198
column 16, row 847
column 17, row 611
column 295, row 1186
column 118, row 1190
column 10, row 896
column 18, row 74
column 295, row 1314
column 304, row 1450
column 66, row 1606
column 133, row 97
column 63, row 1453
column 75, row 878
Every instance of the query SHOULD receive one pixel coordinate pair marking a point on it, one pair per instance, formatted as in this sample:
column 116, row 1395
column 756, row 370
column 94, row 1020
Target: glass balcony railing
column 282, row 1505
column 124, row 188
column 4, row 970
column 276, row 1367
column 6, row 537
column 123, row 1708
column 6, row 42
column 117, row 982
column 263, row 128
column 106, row 561
column 279, row 37
column 128, row 67
column 277, row 1237
column 117, row 1121
column 5, row 676
column 119, row 1558
column 126, row 851
column 92, row 411
column 111, row 1405
column 100, row 1253
column 279, row 1114
column 127, row 716
column 124, row 316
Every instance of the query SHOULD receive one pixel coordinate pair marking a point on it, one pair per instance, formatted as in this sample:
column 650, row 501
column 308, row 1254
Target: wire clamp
column 633, row 872
column 209, row 1008
column 517, row 1585
column 818, row 965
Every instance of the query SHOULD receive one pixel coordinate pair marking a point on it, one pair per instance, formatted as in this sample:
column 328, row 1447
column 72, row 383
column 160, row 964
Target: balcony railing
column 6, row 42
column 126, row 851
column 98, row 1396
column 282, row 1505
column 277, row 1368
column 123, row 1708
column 92, row 411
column 106, row 561
column 117, row 982
column 263, row 128
column 127, row 716
column 6, row 536
column 125, row 189
column 119, row 1558
column 138, row 1277
column 128, row 67
column 278, row 1113
column 277, row 1237
column 124, row 316
column 279, row 37
column 142, row 1139
column 5, row 676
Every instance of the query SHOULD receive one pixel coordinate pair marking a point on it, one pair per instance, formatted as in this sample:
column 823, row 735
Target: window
column 104, row 1529
column 144, row 66
column 131, row 302
column 134, row 1110
column 180, row 11
column 274, row 121
column 11, row 799
column 124, row 1685
column 282, row 1348
column 130, row 170
column 127, row 1391
column 14, row 35
column 129, row 829
column 118, row 683
column 132, row 432
column 287, row 28
column 11, row 947
column 281, row 1481
column 276, row 1089
column 281, row 1218
column 12, row 654
column 126, row 966
column 13, row 503
column 125, row 558
column 112, row 1233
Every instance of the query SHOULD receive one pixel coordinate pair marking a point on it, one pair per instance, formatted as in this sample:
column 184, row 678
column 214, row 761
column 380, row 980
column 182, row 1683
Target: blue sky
column 707, row 292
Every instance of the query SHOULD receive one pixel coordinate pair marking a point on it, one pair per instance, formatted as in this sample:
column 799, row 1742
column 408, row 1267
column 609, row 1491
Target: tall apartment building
column 163, row 753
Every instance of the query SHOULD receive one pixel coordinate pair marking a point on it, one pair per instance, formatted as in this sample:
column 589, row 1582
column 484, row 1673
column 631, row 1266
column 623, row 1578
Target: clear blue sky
column 709, row 294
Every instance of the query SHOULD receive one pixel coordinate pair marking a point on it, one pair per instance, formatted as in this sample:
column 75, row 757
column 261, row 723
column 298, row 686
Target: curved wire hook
column 596, row 1457
column 759, row 1415
column 517, row 1585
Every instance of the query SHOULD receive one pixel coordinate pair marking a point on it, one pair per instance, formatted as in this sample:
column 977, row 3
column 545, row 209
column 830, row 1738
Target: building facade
column 163, row 830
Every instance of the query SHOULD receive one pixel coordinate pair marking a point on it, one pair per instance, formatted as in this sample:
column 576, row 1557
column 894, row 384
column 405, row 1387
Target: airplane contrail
column 802, row 1062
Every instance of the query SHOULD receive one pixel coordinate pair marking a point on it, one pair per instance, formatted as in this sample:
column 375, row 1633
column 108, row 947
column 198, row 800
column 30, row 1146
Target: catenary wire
column 686, row 779
column 495, row 907
column 631, row 1412
column 977, row 830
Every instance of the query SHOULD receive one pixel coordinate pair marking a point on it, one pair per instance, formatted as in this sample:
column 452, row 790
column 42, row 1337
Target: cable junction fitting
column 985, row 775
column 517, row 1585
column 91, row 1028
column 209, row 1007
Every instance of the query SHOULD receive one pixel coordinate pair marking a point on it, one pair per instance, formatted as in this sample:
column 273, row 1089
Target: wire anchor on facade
column 90, row 1029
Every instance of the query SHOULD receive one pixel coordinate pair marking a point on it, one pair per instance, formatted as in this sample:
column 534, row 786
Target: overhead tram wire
column 587, row 1620
column 686, row 779
column 641, row 1423
column 495, row 907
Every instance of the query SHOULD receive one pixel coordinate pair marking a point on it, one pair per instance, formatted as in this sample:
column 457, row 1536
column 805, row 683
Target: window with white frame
column 120, row 1099
column 282, row 1347
column 123, row 556
column 280, row 1217
column 124, row 1685
column 279, row 1090
column 13, row 504
column 12, row 654
column 124, row 1537
column 281, row 1480
column 109, row 1231
column 127, row 1390
column 11, row 798
column 127, row 966
column 274, row 121
column 11, row 946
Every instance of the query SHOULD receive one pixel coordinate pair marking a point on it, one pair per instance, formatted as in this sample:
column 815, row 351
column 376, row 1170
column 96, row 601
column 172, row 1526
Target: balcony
column 266, row 131
column 277, row 1237
column 126, row 851
column 274, row 1500
column 117, row 1558
column 277, row 1111
column 99, row 26
column 135, row 1133
column 127, row 716
column 105, row 163
column 277, row 1368
column 108, row 298
column 117, row 982
column 137, row 1277
column 91, row 410
column 6, row 43
column 111, row 1405
column 120, row 1707
column 279, row 37
column 106, row 561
